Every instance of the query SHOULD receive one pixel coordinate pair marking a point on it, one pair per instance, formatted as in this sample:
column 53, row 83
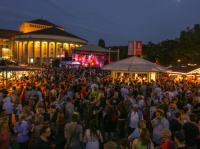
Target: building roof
column 135, row 64
column 53, row 31
column 92, row 47
column 185, row 68
column 18, row 68
column 43, row 22
column 8, row 34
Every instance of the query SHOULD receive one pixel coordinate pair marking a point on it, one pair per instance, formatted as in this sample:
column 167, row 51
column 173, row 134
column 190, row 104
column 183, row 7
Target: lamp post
column 117, row 54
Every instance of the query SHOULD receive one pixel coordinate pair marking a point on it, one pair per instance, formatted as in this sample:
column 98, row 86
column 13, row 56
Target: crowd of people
column 86, row 108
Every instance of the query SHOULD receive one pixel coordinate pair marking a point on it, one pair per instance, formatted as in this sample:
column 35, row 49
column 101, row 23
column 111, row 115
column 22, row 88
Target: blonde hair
column 141, row 123
column 166, row 133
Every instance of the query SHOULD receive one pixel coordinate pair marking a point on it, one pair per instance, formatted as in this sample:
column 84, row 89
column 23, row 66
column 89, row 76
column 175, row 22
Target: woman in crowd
column 59, row 134
column 166, row 140
column 144, row 141
column 93, row 136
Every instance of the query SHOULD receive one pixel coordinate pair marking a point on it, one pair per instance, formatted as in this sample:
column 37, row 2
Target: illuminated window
column 51, row 49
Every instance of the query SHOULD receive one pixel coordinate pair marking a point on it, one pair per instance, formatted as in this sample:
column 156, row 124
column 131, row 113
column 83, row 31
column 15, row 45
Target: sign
column 135, row 48
column 130, row 47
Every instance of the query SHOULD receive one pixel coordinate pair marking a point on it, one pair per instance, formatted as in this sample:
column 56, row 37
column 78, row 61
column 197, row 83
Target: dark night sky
column 115, row 21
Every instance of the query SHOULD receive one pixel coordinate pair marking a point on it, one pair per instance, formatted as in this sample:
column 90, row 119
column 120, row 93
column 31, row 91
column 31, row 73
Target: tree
column 102, row 43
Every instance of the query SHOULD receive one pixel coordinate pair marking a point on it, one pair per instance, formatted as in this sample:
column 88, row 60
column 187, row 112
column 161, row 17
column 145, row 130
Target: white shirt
column 134, row 120
column 7, row 105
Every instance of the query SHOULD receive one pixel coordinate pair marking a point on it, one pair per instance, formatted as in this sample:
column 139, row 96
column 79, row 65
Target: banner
column 135, row 48
column 130, row 47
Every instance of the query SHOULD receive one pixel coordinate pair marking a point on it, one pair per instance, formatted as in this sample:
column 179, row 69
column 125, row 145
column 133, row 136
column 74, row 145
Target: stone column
column 33, row 51
column 47, row 53
column 40, row 53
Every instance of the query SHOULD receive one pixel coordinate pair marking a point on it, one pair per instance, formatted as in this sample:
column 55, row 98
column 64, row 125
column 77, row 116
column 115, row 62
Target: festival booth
column 190, row 72
column 135, row 68
column 91, row 55
column 11, row 73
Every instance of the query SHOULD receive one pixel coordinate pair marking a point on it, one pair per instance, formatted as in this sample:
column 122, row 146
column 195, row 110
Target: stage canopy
column 135, row 64
column 92, row 47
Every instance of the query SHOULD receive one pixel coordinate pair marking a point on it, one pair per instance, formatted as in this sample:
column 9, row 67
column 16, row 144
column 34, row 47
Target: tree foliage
column 186, row 48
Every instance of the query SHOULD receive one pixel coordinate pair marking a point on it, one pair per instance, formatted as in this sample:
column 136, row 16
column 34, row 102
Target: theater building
column 39, row 42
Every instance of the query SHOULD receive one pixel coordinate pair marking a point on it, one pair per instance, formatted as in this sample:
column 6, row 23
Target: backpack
column 114, row 118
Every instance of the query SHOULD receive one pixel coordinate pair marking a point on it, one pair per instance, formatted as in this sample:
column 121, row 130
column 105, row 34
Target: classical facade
column 40, row 42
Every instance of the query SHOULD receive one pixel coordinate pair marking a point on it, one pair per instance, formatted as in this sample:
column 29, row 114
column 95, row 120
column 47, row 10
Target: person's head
column 110, row 145
column 175, row 99
column 178, row 115
column 39, row 120
column 179, row 137
column 186, row 110
column 166, row 133
column 135, row 107
column 124, row 144
column 193, row 117
column 141, row 124
column 159, row 114
column 116, row 94
column 45, row 131
column 145, row 136
column 53, row 108
column 172, row 105
column 75, row 116
column 93, row 125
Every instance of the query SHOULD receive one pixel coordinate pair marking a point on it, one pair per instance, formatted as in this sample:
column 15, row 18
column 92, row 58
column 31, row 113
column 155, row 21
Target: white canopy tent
column 134, row 67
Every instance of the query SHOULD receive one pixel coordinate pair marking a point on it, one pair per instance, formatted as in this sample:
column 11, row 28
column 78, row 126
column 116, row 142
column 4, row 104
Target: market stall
column 135, row 68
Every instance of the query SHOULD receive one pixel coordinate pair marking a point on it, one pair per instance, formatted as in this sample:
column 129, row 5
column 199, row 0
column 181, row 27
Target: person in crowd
column 59, row 134
column 179, row 138
column 73, row 133
column 110, row 145
column 93, row 136
column 17, row 108
column 172, row 110
column 5, row 136
column 136, row 133
column 190, row 105
column 159, row 123
column 176, row 123
column 43, row 142
column 122, row 118
column 22, row 131
column 152, row 110
column 143, row 142
column 185, row 115
column 191, row 131
column 166, row 140
column 28, row 115
column 134, row 116
column 13, row 94
column 69, row 109
column 35, row 131
column 7, row 105
column 109, row 126
column 145, row 112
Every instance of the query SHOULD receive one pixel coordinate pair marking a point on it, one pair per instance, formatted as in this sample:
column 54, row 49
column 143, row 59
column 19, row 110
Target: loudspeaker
column 66, row 54
column 56, row 63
